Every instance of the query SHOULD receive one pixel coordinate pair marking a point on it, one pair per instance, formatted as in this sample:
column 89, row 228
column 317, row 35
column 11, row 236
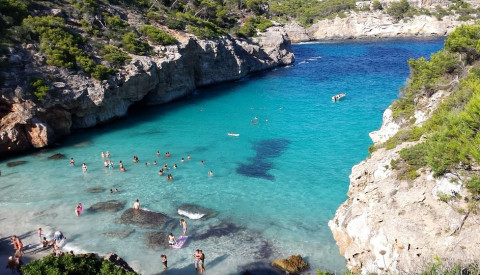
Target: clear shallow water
column 279, row 181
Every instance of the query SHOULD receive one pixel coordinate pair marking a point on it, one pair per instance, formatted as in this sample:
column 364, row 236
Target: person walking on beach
column 183, row 223
column 136, row 205
column 164, row 261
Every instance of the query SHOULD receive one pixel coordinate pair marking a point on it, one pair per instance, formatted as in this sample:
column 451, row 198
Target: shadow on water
column 261, row 163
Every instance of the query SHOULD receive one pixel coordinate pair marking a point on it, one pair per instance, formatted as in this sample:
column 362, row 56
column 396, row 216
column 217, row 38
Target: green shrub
column 114, row 55
column 85, row 264
column 12, row 13
column 444, row 197
column 132, row 44
column 115, row 22
column 473, row 185
column 398, row 9
column 157, row 36
column 40, row 88
column 463, row 39
column 252, row 25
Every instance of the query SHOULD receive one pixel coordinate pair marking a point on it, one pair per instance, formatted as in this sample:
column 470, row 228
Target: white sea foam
column 192, row 216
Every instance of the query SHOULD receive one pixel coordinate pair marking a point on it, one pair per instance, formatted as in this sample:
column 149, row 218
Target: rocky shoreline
column 80, row 101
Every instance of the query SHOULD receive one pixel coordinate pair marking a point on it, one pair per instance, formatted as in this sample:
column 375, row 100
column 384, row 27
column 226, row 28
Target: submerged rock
column 293, row 265
column 195, row 212
column 57, row 156
column 261, row 163
column 157, row 240
column 104, row 206
column 96, row 189
column 219, row 231
column 258, row 268
column 119, row 234
column 145, row 219
column 16, row 163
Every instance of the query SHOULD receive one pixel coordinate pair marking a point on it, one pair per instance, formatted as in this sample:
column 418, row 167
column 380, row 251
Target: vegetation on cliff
column 452, row 133
column 73, row 264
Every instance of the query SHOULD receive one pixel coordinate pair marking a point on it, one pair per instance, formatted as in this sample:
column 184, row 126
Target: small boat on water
column 338, row 97
column 233, row 134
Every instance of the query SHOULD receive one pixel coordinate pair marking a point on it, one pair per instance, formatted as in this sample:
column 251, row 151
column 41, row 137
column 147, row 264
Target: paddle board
column 181, row 240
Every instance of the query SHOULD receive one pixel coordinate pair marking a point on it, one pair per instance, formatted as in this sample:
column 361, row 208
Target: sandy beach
column 32, row 248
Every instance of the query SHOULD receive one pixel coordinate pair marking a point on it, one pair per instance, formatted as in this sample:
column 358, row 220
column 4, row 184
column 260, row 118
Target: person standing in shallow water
column 164, row 261
column 183, row 223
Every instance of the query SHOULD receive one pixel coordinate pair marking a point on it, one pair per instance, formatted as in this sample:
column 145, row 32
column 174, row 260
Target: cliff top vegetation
column 449, row 141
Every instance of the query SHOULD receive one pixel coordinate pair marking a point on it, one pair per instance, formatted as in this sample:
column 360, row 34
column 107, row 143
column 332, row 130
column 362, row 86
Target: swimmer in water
column 175, row 166
column 182, row 160
column 189, row 157
column 158, row 153
column 84, row 167
column 210, row 173
column 78, row 209
column 72, row 162
column 103, row 155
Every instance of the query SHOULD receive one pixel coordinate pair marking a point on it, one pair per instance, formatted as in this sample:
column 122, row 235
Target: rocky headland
column 394, row 225
column 80, row 101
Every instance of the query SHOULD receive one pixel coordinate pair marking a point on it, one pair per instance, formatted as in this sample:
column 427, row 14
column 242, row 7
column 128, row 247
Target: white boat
column 338, row 97
column 233, row 134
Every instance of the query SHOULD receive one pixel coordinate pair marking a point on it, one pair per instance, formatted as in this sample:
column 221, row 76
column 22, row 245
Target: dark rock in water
column 104, row 206
column 259, row 165
column 265, row 250
column 119, row 234
column 271, row 148
column 95, row 190
column 157, row 240
column 195, row 212
column 57, row 156
column 258, row 268
column 16, row 163
column 256, row 170
column 117, row 261
column 145, row 219
column 293, row 265
column 219, row 231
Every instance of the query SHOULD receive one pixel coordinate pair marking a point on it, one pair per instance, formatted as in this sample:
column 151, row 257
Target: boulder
column 110, row 206
column 57, row 156
column 16, row 163
column 119, row 234
column 293, row 265
column 219, row 231
column 195, row 212
column 157, row 240
column 144, row 218
column 95, row 190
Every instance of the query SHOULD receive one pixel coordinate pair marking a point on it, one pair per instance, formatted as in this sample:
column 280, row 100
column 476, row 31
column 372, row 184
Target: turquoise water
column 276, row 184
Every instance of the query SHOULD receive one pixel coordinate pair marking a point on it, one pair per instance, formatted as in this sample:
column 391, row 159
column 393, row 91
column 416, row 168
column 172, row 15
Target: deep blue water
column 276, row 185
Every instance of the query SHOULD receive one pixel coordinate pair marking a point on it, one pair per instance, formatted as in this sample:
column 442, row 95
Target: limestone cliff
column 377, row 24
column 80, row 101
column 394, row 226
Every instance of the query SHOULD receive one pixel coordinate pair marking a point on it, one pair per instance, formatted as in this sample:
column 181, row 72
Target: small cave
column 5, row 108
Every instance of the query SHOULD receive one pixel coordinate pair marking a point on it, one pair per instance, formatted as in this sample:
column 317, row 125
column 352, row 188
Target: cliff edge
column 396, row 220
column 80, row 101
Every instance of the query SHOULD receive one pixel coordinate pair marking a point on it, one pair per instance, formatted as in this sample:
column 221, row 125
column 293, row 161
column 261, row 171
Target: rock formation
column 145, row 219
column 79, row 101
column 394, row 226
column 372, row 24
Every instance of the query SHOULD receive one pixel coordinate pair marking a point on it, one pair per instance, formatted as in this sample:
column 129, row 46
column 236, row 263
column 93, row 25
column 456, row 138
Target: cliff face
column 394, row 226
column 358, row 25
column 79, row 101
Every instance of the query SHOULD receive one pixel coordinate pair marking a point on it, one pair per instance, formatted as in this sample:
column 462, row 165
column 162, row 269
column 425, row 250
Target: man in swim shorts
column 183, row 223
column 196, row 258
column 136, row 205
column 171, row 239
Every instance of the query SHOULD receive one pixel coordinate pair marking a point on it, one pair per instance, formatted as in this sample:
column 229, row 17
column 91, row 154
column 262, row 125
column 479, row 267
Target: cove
column 274, row 186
